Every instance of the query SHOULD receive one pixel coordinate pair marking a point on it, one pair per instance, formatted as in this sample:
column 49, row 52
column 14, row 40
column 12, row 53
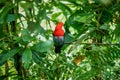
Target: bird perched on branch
column 58, row 37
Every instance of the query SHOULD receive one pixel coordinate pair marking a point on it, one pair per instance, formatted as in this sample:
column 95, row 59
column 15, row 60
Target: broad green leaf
column 85, row 35
column 4, row 56
column 78, row 26
column 104, row 27
column 40, row 28
column 32, row 26
column 55, row 15
column 4, row 11
column 36, row 57
column 84, row 18
column 27, row 57
column 69, row 38
column 43, row 46
column 10, row 17
column 26, row 35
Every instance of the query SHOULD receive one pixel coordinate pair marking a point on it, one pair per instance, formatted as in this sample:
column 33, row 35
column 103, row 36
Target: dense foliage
column 92, row 41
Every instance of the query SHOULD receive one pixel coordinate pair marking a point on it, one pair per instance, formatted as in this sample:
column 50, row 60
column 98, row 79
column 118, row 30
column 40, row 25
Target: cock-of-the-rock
column 58, row 37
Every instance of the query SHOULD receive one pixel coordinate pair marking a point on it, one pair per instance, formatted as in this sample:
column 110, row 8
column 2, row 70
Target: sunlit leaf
column 4, row 56
column 54, row 16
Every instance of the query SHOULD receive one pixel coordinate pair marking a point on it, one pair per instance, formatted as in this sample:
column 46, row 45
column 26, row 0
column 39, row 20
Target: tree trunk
column 17, row 57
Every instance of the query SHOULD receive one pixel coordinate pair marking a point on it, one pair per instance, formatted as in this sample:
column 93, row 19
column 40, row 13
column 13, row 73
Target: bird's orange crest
column 58, row 29
column 59, row 26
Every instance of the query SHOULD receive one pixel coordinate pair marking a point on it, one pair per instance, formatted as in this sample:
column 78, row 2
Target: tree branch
column 104, row 44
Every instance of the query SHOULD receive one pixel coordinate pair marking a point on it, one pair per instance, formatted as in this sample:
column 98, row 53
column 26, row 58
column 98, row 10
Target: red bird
column 58, row 37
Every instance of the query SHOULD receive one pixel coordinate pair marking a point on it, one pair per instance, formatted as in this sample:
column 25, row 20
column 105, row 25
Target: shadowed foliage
column 92, row 41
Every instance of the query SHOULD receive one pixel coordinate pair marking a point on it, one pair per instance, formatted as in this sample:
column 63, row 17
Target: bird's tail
column 57, row 49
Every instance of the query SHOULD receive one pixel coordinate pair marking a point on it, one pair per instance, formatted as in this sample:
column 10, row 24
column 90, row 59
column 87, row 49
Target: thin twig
column 92, row 43
column 4, row 38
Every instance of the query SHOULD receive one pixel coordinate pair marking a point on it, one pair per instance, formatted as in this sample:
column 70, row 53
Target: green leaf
column 85, row 35
column 26, row 6
column 5, row 56
column 27, row 57
column 65, row 9
column 10, row 17
column 32, row 26
column 116, row 32
column 55, row 15
column 36, row 57
column 26, row 35
column 69, row 38
column 40, row 29
column 4, row 12
column 104, row 27
column 84, row 18
column 43, row 46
